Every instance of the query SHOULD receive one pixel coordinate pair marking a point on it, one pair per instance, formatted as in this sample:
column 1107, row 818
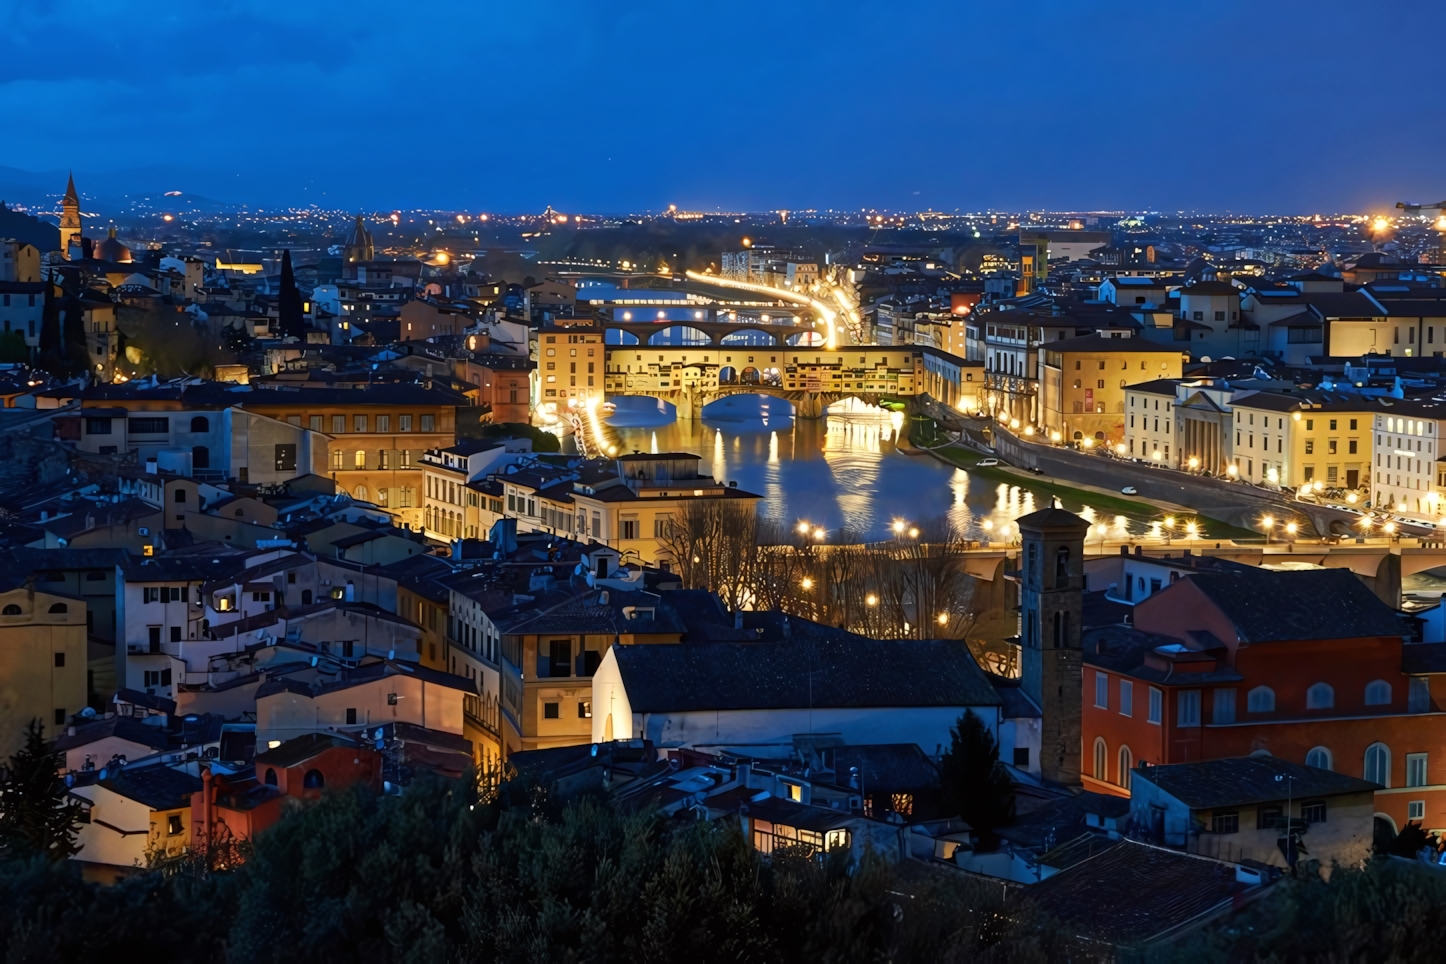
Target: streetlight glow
column 803, row 528
column 806, row 583
column 819, row 534
column 871, row 600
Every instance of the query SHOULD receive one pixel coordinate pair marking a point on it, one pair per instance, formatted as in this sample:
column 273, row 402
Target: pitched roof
column 799, row 673
column 1243, row 781
column 1103, row 343
column 158, row 787
column 1051, row 518
column 300, row 749
column 1134, row 893
column 1265, row 606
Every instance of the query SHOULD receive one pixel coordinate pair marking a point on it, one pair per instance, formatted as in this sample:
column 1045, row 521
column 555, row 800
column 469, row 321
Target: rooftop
column 1244, row 781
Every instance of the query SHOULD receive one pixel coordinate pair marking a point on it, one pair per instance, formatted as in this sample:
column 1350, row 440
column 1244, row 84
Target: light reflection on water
column 843, row 470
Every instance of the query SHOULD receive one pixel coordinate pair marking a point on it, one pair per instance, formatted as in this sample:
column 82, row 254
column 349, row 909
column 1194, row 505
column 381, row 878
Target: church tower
column 1050, row 607
column 69, row 219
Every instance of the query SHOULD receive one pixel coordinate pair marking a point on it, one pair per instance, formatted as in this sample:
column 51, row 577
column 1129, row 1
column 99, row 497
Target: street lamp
column 943, row 619
column 803, row 528
column 819, row 534
column 806, row 583
column 1232, row 470
column 1192, row 530
column 1194, row 463
column 913, row 533
column 1291, row 529
column 1267, row 522
column 898, row 526
column 871, row 600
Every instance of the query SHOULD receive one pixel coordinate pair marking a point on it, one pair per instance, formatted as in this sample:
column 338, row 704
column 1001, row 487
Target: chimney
column 1051, row 606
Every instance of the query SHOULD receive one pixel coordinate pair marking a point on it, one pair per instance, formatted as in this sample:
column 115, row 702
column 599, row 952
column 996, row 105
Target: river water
column 842, row 471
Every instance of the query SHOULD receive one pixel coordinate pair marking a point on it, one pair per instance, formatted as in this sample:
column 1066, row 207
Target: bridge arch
column 806, row 339
column 679, row 335
column 727, row 375
column 749, row 337
column 617, row 336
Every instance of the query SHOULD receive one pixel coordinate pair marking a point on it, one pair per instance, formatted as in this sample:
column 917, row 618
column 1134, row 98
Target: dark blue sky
column 614, row 106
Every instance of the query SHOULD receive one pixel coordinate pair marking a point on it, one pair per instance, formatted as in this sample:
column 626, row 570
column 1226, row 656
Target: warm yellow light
column 1169, row 522
column 1351, row 497
column 1292, row 528
column 1194, row 462
column 899, row 525
column 943, row 619
column 1191, row 528
column 1295, row 415
column 913, row 533
column 1389, row 527
column 1232, row 470
column 1029, row 430
column 806, row 583
column 1121, row 448
column 987, row 524
column 871, row 600
column 480, row 217
column 1089, row 443
column 167, row 217
column 1365, row 522
column 819, row 534
column 461, row 219
column 803, row 528
column 1014, row 423
column 747, row 242
column 1268, row 521
column 1054, row 436
column 1156, row 455
column 1380, row 224
column 1400, row 507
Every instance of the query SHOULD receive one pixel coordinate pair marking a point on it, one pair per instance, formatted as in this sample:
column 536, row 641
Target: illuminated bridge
column 689, row 334
column 811, row 378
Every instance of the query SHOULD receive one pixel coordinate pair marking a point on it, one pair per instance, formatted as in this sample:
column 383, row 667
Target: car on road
column 988, row 463
column 1036, row 470
column 1129, row 490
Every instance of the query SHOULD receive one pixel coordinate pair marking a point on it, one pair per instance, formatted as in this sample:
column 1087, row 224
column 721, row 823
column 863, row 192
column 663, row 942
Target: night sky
column 612, row 106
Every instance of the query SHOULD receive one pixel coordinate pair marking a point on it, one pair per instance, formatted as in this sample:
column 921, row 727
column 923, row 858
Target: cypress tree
column 36, row 814
column 972, row 781
column 292, row 320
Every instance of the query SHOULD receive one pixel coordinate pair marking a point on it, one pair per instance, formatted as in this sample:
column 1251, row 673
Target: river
column 842, row 471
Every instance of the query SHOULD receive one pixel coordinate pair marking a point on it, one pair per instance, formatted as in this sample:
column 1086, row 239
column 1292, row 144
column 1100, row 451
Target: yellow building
column 570, row 367
column 42, row 663
column 1291, row 440
column 1083, row 382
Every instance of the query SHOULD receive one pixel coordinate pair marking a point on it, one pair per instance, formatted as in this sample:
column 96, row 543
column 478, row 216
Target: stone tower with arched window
column 1051, row 583
column 70, row 224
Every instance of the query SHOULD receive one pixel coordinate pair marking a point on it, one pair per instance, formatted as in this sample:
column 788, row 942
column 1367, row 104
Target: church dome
column 112, row 250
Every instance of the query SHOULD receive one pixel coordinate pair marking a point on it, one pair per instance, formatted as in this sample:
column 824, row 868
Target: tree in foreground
column 37, row 815
column 972, row 781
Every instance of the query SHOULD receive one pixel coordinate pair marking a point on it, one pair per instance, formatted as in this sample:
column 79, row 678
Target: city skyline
column 1105, row 107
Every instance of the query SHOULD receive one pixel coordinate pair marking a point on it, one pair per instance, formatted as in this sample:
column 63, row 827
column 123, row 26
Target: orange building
column 1309, row 666
column 378, row 435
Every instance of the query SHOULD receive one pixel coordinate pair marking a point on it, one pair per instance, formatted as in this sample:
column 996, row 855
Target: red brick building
column 1309, row 666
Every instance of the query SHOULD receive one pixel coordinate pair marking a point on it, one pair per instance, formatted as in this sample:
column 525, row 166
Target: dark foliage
column 1390, row 910
column 972, row 782
column 13, row 348
column 541, row 441
column 438, row 875
column 36, row 815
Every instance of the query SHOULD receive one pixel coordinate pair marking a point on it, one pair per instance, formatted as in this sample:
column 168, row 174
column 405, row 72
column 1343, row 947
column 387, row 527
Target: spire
column 70, row 196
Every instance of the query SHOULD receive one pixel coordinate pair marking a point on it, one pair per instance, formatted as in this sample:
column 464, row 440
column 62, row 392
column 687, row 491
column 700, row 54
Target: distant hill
column 31, row 230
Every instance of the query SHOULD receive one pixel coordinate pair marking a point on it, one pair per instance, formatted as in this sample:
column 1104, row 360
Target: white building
column 759, row 698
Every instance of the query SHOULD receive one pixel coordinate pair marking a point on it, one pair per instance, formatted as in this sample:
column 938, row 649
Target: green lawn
column 1044, row 488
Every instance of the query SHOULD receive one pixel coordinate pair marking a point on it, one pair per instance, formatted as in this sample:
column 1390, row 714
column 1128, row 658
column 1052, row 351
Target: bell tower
column 1050, row 607
column 69, row 219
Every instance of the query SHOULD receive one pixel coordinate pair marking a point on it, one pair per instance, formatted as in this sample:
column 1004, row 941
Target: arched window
column 200, row 457
column 313, row 780
column 361, row 459
column 1078, row 436
column 1126, row 764
column 361, row 493
column 1320, row 758
column 1061, row 565
column 59, row 608
column 1320, row 697
column 306, row 597
column 1378, row 764
column 200, row 423
column 1261, row 700
column 270, row 777
column 11, row 610
column 1101, row 761
column 1378, row 693
column 1076, row 383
